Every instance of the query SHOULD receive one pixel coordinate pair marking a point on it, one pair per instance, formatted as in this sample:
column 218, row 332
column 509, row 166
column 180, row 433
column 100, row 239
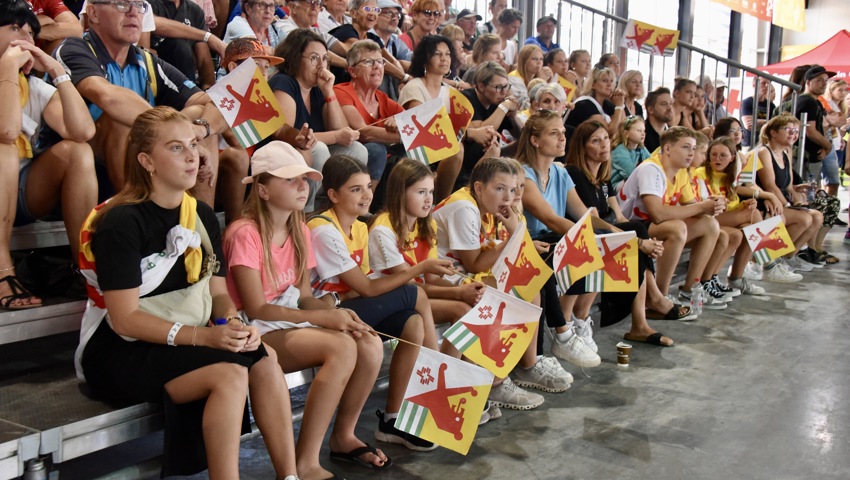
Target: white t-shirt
column 647, row 179
column 288, row 24
column 416, row 90
column 240, row 28
column 327, row 22
column 510, row 52
column 40, row 93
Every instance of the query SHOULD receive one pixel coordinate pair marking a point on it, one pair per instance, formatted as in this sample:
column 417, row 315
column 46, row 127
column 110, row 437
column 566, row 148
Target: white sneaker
column 753, row 271
column 576, row 352
column 540, row 376
column 493, row 410
column 797, row 265
column 712, row 303
column 508, row 395
column 746, row 287
column 781, row 274
column 557, row 368
column 584, row 329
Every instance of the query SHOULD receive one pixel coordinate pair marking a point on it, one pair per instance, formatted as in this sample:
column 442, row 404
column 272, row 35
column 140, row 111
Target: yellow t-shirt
column 336, row 252
column 715, row 186
column 679, row 191
column 386, row 251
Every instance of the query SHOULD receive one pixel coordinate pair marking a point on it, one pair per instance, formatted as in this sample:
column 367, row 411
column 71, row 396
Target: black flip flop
column 354, row 457
column 654, row 339
column 676, row 312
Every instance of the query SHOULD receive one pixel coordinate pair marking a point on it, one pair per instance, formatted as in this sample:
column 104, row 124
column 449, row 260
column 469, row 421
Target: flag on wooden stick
column 519, row 269
column 426, row 132
column 576, row 254
column 768, row 239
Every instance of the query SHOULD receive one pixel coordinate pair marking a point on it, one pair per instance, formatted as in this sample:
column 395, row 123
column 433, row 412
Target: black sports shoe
column 387, row 432
column 840, row 222
column 810, row 256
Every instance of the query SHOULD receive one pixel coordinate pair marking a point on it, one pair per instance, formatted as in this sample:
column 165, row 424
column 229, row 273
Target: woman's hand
column 471, row 293
column 205, row 173
column 345, row 320
column 750, row 203
column 226, row 337
column 16, row 58
column 325, row 82
column 541, row 247
column 508, row 217
column 254, row 339
column 306, row 139
column 481, row 135
column 436, row 266
column 618, row 98
column 773, row 205
column 546, row 73
column 41, row 61
column 493, row 148
column 652, row 247
column 390, row 126
column 346, row 136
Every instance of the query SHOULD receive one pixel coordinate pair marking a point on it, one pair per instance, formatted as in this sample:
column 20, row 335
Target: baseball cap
column 706, row 79
column 242, row 48
column 468, row 13
column 281, row 160
column 388, row 4
column 818, row 70
column 547, row 18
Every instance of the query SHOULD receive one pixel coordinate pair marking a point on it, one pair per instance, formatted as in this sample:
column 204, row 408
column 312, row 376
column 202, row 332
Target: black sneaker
column 840, row 222
column 811, row 257
column 387, row 432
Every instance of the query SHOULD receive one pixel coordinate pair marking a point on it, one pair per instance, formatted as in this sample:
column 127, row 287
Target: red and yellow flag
column 444, row 400
column 768, row 239
column 576, row 254
column 247, row 103
column 496, row 332
column 519, row 269
column 648, row 38
column 569, row 88
column 619, row 272
column 426, row 132
column 460, row 111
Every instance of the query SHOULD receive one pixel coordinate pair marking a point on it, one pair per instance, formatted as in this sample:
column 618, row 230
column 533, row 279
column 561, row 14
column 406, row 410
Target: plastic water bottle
column 697, row 297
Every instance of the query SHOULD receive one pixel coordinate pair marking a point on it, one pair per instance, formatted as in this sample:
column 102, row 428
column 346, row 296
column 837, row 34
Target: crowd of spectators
column 331, row 227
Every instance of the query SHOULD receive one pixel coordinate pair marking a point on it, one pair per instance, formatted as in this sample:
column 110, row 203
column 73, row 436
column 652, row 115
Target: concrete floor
column 757, row 391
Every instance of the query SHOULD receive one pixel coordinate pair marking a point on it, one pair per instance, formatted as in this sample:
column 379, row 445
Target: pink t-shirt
column 243, row 247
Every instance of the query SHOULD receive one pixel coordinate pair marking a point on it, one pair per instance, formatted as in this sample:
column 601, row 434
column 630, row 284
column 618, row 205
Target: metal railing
column 612, row 28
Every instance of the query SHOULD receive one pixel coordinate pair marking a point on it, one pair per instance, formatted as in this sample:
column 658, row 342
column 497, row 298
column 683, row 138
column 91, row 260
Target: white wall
column 823, row 19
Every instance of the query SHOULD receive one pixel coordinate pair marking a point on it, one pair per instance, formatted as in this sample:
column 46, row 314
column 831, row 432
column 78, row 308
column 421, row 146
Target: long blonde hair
column 523, row 56
column 142, row 138
column 257, row 211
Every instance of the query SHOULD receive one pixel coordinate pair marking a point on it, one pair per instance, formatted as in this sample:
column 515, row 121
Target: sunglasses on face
column 433, row 13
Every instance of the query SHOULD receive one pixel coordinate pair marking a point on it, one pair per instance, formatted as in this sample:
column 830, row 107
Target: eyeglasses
column 734, row 130
column 312, row 4
column 314, row 59
column 499, row 88
column 433, row 13
column 792, row 130
column 372, row 62
column 123, row 6
column 391, row 13
column 370, row 9
column 264, row 6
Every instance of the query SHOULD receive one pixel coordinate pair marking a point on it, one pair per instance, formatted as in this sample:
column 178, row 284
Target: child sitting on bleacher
column 270, row 255
column 151, row 256
column 388, row 304
column 38, row 180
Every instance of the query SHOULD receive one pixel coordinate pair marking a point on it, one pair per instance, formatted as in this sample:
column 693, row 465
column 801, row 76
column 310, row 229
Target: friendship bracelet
column 172, row 334
column 7, row 269
column 10, row 81
column 194, row 332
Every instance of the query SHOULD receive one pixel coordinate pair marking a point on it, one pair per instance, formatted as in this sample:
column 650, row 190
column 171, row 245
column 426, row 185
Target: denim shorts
column 827, row 169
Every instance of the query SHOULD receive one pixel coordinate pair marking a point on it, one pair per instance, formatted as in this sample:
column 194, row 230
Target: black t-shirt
column 130, row 233
column 765, row 110
column 586, row 109
column 810, row 105
column 314, row 117
column 653, row 138
column 590, row 194
column 179, row 52
column 473, row 151
column 638, row 111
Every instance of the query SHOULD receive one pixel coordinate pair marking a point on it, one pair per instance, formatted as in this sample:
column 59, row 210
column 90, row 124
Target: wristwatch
column 204, row 123
column 335, row 297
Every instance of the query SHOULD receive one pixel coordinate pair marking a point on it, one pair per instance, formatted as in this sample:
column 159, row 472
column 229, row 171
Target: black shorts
column 386, row 313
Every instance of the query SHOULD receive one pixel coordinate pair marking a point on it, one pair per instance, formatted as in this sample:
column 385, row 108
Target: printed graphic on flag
column 427, row 132
column 749, row 168
column 569, row 88
column 519, row 269
column 768, row 239
column 460, row 111
column 576, row 254
column 496, row 332
column 247, row 104
column 619, row 272
column 444, row 400
column 649, row 38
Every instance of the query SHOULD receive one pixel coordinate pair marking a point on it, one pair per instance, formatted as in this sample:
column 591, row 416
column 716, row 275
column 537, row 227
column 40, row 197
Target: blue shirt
column 536, row 41
column 555, row 195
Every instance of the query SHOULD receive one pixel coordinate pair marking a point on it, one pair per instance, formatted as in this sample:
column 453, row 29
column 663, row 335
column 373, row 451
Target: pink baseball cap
column 281, row 160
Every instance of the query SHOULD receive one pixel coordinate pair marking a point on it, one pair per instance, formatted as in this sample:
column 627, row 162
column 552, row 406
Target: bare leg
column 702, row 236
column 225, row 386
column 529, row 357
column 447, row 172
column 674, row 234
column 655, row 300
column 403, row 361
column 109, row 144
column 423, row 308
column 273, row 412
column 448, row 311
column 583, row 304
column 799, row 225
column 9, row 164
column 723, row 249
column 641, row 329
column 67, row 168
column 737, row 219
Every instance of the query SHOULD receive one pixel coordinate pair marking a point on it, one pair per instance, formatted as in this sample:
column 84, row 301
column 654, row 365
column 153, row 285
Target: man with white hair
column 715, row 96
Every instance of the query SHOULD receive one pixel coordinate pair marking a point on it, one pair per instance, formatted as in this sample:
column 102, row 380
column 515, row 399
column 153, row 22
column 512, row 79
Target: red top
column 346, row 95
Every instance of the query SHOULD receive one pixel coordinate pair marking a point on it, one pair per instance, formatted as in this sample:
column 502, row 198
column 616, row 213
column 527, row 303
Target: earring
column 150, row 172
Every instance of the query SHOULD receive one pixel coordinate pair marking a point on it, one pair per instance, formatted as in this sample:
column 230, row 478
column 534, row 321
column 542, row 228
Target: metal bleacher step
column 58, row 315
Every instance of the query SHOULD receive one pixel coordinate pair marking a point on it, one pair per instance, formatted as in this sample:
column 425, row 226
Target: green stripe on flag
column 595, row 281
column 460, row 336
column 761, row 256
column 418, row 153
column 563, row 278
column 411, row 418
column 247, row 134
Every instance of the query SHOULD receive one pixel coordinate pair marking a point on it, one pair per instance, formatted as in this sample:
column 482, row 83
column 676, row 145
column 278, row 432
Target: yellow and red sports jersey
column 336, row 252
